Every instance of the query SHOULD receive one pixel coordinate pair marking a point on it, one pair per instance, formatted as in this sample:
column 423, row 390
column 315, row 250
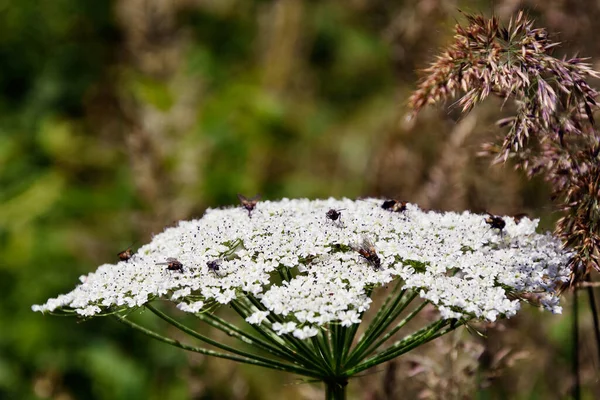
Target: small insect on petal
column 214, row 265
column 172, row 264
column 249, row 204
column 394, row 205
column 495, row 222
column 125, row 255
column 366, row 249
column 335, row 215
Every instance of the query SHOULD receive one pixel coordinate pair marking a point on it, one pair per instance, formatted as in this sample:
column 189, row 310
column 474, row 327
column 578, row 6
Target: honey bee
column 366, row 249
column 495, row 222
column 172, row 264
column 214, row 265
column 247, row 203
column 125, row 255
column 394, row 205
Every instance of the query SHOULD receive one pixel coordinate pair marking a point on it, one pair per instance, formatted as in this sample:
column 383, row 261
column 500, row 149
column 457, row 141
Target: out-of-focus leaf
column 153, row 92
column 34, row 202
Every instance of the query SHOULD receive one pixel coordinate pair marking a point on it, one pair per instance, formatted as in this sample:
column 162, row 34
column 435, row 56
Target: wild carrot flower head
column 309, row 271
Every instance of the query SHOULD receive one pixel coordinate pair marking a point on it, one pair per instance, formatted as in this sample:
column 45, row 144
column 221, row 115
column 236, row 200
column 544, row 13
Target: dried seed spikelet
column 552, row 133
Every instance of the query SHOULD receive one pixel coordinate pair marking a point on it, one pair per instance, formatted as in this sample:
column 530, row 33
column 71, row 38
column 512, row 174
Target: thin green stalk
column 387, row 318
column 324, row 337
column 350, row 333
column 379, row 319
column 338, row 342
column 245, row 337
column 335, row 390
column 298, row 344
column 308, row 358
column 282, row 274
column 210, row 341
column 331, row 342
column 176, row 343
column 268, row 334
column 395, row 311
column 400, row 325
column 594, row 311
column 433, row 327
column 576, row 390
column 399, row 350
column 322, row 352
column 383, row 311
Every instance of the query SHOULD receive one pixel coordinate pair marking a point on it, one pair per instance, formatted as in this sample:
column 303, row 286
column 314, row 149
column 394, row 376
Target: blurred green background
column 118, row 118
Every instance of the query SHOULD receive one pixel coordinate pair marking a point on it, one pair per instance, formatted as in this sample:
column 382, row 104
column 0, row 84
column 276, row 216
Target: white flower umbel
column 302, row 276
column 457, row 261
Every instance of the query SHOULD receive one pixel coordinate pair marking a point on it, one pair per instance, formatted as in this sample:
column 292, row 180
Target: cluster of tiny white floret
column 456, row 261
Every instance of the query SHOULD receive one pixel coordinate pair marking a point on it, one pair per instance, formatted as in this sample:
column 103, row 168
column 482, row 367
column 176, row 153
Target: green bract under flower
column 309, row 270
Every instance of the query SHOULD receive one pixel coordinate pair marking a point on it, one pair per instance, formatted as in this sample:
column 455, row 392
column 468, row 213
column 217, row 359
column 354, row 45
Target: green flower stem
column 245, row 337
column 282, row 274
column 210, row 341
column 298, row 344
column 307, row 358
column 377, row 327
column 381, row 313
column 414, row 337
column 350, row 333
column 339, row 339
column 417, row 339
column 321, row 352
column 324, row 342
column 176, row 343
column 336, row 389
column 399, row 326
column 418, row 343
column 243, row 310
column 395, row 310
column 275, row 339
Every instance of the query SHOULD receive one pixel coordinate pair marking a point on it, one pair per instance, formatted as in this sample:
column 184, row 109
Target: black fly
column 214, row 265
column 172, row 264
column 495, row 222
column 247, row 203
column 394, row 205
column 335, row 215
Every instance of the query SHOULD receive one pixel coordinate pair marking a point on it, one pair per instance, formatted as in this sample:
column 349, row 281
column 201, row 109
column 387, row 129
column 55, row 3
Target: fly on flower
column 366, row 249
column 247, row 203
column 172, row 264
column 125, row 255
column 495, row 222
column 394, row 205
column 335, row 215
column 214, row 265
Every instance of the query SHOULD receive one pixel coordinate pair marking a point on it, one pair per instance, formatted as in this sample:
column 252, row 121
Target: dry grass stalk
column 552, row 133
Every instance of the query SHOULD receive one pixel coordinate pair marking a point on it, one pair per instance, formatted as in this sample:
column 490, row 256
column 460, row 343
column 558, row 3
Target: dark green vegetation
column 119, row 118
